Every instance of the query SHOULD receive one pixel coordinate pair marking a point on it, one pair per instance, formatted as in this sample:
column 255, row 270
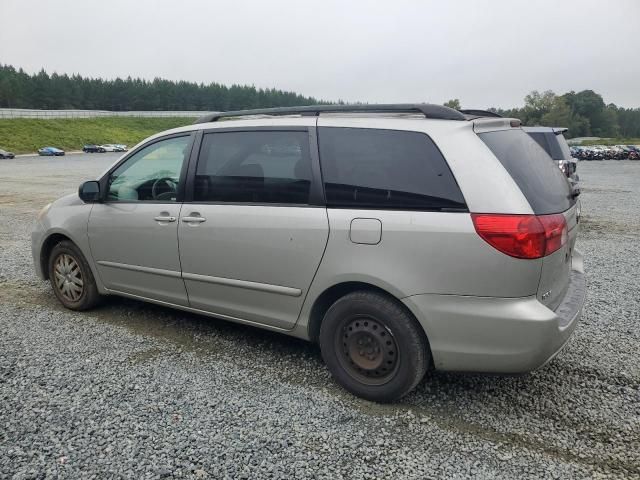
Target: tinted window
column 254, row 167
column 371, row 168
column 555, row 145
column 541, row 139
column 152, row 173
column 540, row 180
column 562, row 148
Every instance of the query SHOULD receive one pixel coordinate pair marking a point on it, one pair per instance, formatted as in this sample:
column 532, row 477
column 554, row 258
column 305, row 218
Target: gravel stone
column 132, row 390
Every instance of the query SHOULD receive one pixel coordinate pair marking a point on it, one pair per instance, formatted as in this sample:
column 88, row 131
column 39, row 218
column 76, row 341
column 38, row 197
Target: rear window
column 385, row 169
column 563, row 152
column 541, row 181
column 554, row 144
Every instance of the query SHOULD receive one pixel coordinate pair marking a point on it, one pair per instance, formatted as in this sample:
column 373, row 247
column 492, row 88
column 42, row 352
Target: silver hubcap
column 68, row 277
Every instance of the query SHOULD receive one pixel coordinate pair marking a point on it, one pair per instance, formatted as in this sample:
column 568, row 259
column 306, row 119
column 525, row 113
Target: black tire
column 88, row 296
column 373, row 346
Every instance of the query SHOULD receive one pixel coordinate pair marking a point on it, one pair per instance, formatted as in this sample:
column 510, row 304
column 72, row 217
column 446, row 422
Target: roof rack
column 480, row 113
column 428, row 110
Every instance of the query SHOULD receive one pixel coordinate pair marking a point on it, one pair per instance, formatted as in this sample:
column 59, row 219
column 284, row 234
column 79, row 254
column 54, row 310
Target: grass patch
column 26, row 135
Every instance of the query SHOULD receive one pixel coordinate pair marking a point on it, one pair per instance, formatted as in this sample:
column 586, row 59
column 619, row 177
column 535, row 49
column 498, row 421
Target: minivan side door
column 254, row 229
column 133, row 232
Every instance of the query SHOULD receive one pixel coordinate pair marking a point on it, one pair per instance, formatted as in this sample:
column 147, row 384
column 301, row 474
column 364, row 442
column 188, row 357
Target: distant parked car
column 120, row 147
column 596, row 153
column 554, row 143
column 51, row 152
column 93, row 149
column 107, row 147
column 634, row 152
column 5, row 154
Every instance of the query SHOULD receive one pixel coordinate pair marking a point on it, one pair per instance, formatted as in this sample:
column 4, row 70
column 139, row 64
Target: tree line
column 19, row 89
column 585, row 114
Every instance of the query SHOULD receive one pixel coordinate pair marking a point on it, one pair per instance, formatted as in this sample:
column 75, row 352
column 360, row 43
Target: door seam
column 184, row 284
column 326, row 244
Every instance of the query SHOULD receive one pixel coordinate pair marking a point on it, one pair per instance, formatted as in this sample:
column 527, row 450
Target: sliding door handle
column 164, row 218
column 193, row 219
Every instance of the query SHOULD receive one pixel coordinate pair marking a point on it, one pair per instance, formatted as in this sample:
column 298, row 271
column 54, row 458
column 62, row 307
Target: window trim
column 104, row 180
column 328, row 204
column 316, row 191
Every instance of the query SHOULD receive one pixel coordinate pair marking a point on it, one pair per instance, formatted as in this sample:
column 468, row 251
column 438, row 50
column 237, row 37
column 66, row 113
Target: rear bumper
column 501, row 335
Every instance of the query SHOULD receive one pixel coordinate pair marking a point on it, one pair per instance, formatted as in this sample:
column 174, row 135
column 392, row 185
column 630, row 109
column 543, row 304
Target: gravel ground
column 132, row 390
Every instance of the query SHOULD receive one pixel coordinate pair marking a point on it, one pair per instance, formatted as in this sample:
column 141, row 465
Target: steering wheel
column 164, row 188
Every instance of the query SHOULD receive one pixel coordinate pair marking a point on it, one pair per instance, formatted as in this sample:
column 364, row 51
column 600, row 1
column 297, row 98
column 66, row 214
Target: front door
column 133, row 234
column 250, row 241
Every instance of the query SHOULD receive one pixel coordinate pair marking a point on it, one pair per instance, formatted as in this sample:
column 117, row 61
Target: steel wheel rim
column 68, row 277
column 367, row 350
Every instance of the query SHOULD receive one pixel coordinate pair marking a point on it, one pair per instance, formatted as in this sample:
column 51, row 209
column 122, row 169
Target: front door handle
column 193, row 219
column 164, row 218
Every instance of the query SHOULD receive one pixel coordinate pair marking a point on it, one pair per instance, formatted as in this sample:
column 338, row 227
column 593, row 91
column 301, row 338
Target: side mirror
column 89, row 192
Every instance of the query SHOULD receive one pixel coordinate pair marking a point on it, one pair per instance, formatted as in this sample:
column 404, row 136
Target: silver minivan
column 398, row 237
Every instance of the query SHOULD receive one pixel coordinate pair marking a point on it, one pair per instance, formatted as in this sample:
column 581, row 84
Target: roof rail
column 480, row 113
column 428, row 110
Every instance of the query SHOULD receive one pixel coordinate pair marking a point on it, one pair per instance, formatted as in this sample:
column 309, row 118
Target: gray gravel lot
column 132, row 390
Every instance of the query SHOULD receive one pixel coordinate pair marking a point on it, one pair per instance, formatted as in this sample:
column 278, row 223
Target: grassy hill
column 25, row 135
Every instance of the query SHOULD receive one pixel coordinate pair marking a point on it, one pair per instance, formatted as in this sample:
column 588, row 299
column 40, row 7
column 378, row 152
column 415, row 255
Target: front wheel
column 71, row 277
column 373, row 346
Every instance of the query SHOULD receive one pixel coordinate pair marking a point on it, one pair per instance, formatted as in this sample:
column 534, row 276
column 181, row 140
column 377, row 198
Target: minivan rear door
column 548, row 192
column 253, row 231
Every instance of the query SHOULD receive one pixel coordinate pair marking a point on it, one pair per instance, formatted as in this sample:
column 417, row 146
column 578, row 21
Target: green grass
column 25, row 135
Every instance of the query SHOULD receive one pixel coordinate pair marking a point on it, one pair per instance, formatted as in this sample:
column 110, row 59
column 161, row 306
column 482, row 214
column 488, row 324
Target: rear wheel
column 373, row 346
column 71, row 277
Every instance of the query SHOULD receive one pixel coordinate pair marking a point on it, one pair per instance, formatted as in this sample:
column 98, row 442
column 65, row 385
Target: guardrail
column 49, row 114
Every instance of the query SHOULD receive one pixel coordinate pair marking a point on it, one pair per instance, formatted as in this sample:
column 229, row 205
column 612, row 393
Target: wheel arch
column 47, row 246
column 330, row 295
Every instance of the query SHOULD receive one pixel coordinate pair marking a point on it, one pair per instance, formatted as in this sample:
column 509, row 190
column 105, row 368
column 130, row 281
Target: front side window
column 151, row 174
column 254, row 167
column 385, row 169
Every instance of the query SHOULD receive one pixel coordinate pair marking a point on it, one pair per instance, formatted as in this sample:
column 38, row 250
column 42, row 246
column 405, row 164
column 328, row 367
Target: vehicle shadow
column 203, row 335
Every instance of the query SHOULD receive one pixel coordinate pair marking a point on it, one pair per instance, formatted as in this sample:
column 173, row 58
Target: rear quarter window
column 540, row 180
column 385, row 169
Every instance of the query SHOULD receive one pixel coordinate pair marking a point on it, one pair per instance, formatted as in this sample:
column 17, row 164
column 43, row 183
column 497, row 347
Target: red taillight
column 522, row 236
column 555, row 231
